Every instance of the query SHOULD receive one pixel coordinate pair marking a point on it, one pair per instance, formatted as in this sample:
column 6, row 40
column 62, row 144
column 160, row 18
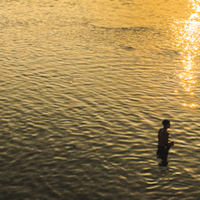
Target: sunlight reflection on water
column 85, row 86
column 187, row 35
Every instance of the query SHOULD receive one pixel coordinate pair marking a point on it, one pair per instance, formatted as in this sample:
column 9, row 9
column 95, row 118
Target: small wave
column 134, row 29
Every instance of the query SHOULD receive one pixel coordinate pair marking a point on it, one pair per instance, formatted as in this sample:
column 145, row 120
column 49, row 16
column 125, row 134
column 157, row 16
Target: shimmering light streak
column 187, row 36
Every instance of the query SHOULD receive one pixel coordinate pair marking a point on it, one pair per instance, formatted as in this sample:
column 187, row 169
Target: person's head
column 166, row 123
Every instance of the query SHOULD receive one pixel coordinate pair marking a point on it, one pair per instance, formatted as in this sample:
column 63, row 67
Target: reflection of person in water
column 163, row 143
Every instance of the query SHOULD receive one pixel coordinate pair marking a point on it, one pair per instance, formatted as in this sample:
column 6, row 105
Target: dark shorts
column 162, row 152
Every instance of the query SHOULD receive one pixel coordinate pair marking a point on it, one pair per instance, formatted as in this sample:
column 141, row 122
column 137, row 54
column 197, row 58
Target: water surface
column 85, row 86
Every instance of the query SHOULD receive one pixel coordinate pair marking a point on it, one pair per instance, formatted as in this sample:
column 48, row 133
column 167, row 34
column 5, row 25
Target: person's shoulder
column 160, row 130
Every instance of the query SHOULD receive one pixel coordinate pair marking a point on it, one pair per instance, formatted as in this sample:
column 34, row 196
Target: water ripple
column 82, row 101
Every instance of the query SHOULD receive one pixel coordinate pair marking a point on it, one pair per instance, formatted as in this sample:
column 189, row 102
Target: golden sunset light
column 99, row 99
column 187, row 37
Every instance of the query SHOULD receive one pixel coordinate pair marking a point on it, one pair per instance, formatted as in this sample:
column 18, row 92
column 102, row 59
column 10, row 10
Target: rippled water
column 85, row 86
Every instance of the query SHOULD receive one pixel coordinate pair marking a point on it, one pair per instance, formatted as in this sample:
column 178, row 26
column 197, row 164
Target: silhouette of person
column 163, row 143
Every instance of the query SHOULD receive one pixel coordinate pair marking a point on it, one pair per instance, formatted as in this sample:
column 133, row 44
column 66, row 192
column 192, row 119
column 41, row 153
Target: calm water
column 85, row 86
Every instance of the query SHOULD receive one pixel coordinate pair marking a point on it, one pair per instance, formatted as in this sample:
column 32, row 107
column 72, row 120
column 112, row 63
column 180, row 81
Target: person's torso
column 162, row 134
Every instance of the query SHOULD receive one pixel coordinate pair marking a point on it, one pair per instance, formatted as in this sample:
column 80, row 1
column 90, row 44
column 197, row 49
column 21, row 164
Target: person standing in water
column 163, row 143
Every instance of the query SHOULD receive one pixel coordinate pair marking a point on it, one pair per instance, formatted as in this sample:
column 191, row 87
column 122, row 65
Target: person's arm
column 169, row 144
column 166, row 138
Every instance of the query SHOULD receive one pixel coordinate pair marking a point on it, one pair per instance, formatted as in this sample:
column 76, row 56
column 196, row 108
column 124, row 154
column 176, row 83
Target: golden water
column 85, row 86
